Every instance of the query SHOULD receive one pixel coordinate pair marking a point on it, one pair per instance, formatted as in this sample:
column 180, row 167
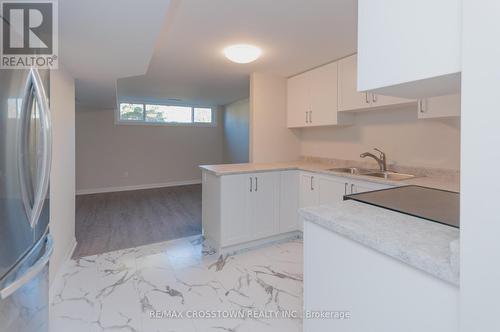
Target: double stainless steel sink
column 388, row 175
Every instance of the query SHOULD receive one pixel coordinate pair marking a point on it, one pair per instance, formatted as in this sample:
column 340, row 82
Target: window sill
column 170, row 124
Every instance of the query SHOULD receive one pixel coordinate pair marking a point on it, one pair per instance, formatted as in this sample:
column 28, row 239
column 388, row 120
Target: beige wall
column 112, row 157
column 236, row 130
column 407, row 141
column 62, row 185
column 270, row 139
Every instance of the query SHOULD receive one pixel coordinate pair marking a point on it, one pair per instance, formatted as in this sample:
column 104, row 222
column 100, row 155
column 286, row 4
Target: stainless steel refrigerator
column 25, row 158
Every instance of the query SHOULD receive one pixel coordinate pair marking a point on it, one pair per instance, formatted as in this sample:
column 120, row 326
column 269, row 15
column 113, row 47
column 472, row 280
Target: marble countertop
column 425, row 245
column 439, row 179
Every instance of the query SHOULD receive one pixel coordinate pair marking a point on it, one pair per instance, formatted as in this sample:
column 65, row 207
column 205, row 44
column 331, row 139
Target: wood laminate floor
column 114, row 221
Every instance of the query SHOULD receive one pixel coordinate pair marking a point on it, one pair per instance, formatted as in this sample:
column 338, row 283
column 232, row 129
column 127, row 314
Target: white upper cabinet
column 409, row 49
column 350, row 99
column 298, row 101
column 312, row 98
column 349, row 96
column 439, row 107
column 323, row 95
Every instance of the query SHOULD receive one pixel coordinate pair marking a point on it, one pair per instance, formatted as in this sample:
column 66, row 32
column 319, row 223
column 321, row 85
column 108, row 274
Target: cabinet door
column 298, row 101
column 409, row 48
column 323, row 93
column 349, row 96
column 332, row 189
column 289, row 201
column 381, row 101
column 236, row 208
column 309, row 195
column 264, row 205
column 440, row 107
column 356, row 187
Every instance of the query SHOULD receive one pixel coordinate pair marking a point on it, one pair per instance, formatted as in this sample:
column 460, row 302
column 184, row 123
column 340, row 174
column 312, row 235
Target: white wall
column 113, row 157
column 236, row 130
column 406, row 140
column 270, row 139
column 62, row 184
column 479, row 216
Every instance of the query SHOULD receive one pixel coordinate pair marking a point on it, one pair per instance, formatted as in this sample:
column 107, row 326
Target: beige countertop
column 433, row 178
column 427, row 246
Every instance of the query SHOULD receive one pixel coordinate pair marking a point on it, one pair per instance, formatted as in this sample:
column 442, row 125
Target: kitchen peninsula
column 249, row 204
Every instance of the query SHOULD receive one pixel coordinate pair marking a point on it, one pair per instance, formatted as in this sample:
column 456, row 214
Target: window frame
column 119, row 121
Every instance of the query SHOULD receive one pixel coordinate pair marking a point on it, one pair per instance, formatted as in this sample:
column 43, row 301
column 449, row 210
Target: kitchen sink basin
column 352, row 170
column 390, row 175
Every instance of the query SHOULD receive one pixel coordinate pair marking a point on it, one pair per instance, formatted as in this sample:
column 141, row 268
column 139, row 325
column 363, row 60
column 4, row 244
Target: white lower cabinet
column 263, row 202
column 309, row 195
column 289, row 201
column 327, row 189
column 247, row 207
column 356, row 186
column 240, row 208
column 236, row 208
column 331, row 189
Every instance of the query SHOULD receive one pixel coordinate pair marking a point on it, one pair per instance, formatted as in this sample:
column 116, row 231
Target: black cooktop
column 436, row 205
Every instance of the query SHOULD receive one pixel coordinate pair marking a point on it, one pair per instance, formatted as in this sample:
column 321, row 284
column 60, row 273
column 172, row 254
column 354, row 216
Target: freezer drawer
column 24, row 293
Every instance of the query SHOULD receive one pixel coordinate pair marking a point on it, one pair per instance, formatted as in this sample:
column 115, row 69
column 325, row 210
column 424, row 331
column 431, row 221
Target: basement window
column 134, row 113
column 202, row 115
column 131, row 112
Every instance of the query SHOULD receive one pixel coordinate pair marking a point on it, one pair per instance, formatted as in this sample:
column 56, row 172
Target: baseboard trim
column 138, row 187
column 254, row 244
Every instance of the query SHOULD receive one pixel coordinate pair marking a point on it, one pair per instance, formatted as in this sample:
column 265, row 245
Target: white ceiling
column 188, row 63
column 101, row 41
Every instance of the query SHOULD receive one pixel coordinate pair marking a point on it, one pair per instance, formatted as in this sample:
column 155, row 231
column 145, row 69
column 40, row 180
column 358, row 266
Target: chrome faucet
column 381, row 161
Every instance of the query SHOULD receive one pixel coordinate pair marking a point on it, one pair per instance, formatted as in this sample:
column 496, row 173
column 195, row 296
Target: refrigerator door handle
column 46, row 160
column 22, row 148
column 34, row 90
column 32, row 272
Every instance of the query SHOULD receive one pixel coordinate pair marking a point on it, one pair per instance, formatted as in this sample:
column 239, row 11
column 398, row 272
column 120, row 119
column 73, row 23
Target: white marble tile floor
column 143, row 289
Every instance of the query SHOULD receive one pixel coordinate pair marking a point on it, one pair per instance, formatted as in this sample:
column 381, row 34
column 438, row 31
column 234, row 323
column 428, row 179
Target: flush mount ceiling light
column 242, row 53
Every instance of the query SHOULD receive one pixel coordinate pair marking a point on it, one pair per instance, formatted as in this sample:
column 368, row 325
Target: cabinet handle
column 345, row 188
column 374, row 97
column 310, row 116
column 312, row 183
column 307, row 117
column 251, row 185
column 352, row 188
column 421, row 106
column 366, row 98
column 256, row 184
